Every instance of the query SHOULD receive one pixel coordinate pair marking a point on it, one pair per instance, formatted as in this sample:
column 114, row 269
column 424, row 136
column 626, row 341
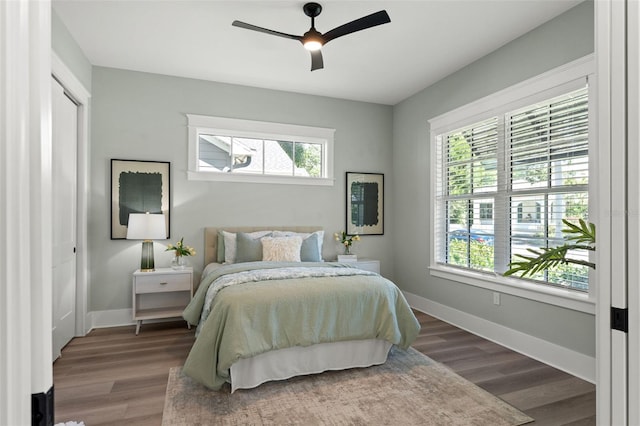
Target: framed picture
column 365, row 203
column 138, row 187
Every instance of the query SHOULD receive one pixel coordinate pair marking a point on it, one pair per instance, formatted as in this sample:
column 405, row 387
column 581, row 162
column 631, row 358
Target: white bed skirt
column 285, row 363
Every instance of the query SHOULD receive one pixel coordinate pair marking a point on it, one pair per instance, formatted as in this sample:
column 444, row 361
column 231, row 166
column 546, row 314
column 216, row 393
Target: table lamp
column 147, row 227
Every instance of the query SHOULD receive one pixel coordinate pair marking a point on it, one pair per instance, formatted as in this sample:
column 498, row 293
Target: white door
column 64, row 179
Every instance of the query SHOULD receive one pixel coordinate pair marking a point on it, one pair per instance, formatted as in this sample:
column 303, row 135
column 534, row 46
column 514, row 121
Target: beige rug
column 409, row 389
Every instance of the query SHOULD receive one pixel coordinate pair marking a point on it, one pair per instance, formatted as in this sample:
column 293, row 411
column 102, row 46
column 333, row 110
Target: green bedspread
column 251, row 318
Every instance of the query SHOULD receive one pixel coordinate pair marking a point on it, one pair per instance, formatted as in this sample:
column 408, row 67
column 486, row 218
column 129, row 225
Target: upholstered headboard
column 211, row 236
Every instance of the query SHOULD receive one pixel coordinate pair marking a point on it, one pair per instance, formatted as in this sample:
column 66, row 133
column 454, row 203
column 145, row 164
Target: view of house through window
column 231, row 149
column 508, row 182
column 259, row 156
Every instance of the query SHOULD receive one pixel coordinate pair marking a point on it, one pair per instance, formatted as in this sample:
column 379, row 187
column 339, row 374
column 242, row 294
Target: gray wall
column 142, row 117
column 568, row 37
column 69, row 52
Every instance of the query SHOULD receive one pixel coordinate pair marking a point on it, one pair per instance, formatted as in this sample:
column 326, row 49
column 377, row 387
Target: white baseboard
column 111, row 318
column 572, row 362
column 116, row 318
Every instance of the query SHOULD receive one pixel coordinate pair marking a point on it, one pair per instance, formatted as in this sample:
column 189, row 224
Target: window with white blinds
column 504, row 185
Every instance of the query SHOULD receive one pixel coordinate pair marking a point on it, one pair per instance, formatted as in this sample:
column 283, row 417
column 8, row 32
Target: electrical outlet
column 496, row 298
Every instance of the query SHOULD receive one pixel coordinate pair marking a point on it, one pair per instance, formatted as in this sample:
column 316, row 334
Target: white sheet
column 285, row 363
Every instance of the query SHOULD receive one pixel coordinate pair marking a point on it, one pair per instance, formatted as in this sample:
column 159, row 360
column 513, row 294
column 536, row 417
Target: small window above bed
column 234, row 150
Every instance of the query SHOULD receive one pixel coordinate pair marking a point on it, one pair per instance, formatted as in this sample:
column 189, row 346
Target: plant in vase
column 181, row 251
column 346, row 240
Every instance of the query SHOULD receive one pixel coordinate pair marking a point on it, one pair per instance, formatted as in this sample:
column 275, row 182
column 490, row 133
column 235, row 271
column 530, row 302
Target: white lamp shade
column 146, row 226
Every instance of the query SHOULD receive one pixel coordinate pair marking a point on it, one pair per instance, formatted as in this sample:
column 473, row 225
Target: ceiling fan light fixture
column 312, row 45
column 312, row 40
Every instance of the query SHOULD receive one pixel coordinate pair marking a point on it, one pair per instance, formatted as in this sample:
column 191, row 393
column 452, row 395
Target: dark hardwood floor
column 112, row 376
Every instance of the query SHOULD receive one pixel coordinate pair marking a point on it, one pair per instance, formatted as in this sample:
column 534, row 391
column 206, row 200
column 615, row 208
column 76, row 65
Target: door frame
column 25, row 295
column 633, row 176
column 82, row 96
column 617, row 352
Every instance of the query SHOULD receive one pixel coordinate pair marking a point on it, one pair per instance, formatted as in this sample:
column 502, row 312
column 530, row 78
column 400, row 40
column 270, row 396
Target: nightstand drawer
column 157, row 283
column 372, row 265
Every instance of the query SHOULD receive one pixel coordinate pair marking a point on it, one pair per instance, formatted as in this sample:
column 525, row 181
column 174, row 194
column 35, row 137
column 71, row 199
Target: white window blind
column 549, row 177
column 504, row 184
column 468, row 188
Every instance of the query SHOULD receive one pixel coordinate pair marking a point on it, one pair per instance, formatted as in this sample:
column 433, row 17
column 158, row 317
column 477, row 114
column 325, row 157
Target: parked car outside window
column 480, row 236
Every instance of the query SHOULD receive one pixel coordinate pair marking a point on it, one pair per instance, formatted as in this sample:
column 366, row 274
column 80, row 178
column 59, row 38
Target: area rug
column 409, row 389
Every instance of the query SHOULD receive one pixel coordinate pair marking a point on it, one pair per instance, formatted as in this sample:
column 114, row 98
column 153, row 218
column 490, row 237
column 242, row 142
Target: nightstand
column 163, row 293
column 372, row 265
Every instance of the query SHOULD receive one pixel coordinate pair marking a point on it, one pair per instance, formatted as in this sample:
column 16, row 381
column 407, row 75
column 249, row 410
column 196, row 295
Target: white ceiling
column 425, row 41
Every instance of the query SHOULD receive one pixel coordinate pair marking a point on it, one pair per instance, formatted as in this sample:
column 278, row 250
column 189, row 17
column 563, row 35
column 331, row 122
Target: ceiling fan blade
column 316, row 60
column 244, row 25
column 378, row 18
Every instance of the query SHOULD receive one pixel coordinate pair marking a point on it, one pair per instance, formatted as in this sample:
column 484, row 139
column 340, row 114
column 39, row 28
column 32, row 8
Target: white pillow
column 281, row 249
column 230, row 247
column 302, row 235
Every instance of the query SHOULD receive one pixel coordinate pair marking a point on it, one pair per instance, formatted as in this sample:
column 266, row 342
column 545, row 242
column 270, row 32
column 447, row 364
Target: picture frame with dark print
column 365, row 203
column 138, row 187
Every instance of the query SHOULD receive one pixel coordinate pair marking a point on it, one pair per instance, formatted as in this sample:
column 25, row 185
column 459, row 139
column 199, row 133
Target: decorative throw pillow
column 230, row 243
column 309, row 249
column 304, row 236
column 248, row 248
column 281, row 249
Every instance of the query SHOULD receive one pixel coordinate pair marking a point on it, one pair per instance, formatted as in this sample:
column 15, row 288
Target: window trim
column 527, row 289
column 541, row 87
column 260, row 130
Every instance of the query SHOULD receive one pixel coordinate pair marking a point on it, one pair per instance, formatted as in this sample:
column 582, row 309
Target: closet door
column 64, row 183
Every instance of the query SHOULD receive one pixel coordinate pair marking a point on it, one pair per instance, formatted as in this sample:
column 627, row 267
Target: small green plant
column 578, row 237
column 346, row 240
column 181, row 249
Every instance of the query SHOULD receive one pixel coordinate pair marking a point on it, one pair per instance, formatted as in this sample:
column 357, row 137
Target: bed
column 269, row 308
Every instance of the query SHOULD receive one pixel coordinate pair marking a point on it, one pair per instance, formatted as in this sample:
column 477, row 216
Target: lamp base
column 146, row 262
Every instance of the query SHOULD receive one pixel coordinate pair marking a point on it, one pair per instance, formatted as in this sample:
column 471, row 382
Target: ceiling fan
column 313, row 40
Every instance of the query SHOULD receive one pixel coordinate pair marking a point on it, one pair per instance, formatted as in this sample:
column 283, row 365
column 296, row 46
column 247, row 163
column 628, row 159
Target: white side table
column 372, row 265
column 163, row 293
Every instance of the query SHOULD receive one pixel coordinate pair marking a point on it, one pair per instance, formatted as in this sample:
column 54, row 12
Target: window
column 529, row 212
column 505, row 182
column 548, row 147
column 250, row 151
column 486, row 211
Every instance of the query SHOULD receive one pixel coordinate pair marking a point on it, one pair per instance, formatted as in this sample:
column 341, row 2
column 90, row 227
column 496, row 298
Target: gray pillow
column 309, row 250
column 248, row 248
